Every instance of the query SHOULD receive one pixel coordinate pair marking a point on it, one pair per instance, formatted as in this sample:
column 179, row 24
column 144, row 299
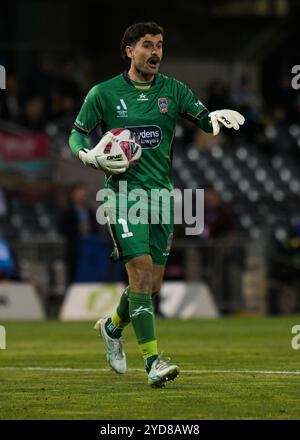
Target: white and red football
column 125, row 143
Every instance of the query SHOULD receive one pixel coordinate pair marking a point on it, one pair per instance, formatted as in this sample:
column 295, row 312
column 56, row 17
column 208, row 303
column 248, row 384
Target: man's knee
column 139, row 271
column 158, row 274
column 156, row 286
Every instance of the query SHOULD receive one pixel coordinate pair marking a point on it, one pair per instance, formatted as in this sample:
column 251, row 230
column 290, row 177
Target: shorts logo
column 163, row 105
column 169, row 242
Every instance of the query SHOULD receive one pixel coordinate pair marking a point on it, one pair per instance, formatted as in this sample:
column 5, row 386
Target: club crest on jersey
column 163, row 105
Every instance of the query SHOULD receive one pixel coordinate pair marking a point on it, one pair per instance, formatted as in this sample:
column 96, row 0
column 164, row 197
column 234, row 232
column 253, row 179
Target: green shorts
column 140, row 228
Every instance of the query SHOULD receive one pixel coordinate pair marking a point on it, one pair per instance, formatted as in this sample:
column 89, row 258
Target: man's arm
column 78, row 141
column 89, row 117
column 191, row 108
column 201, row 119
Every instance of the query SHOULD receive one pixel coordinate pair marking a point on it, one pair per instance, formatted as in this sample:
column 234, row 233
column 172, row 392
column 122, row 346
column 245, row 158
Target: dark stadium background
column 233, row 54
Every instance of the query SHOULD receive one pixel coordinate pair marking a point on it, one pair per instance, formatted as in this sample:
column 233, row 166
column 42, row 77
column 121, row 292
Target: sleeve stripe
column 193, row 118
column 203, row 112
column 79, row 129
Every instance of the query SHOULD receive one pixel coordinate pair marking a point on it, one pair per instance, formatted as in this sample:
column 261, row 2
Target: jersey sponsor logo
column 149, row 136
column 142, row 98
column 163, row 105
column 122, row 109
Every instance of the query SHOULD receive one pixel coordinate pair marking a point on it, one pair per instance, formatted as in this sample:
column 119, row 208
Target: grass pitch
column 232, row 368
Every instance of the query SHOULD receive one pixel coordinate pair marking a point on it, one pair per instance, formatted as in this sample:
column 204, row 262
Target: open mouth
column 153, row 62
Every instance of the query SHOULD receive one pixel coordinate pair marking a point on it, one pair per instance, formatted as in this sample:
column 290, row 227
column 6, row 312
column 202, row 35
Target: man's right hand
column 96, row 158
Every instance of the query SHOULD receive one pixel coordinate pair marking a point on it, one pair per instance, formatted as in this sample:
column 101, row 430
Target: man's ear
column 129, row 50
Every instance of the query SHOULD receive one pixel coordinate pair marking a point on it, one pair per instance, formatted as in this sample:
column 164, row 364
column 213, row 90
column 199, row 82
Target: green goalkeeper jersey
column 151, row 113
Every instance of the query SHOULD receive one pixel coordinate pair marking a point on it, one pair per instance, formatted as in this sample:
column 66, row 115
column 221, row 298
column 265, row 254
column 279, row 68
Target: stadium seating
column 263, row 191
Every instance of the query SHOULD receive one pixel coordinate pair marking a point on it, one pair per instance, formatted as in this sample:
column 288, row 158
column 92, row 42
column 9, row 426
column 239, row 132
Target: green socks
column 123, row 309
column 137, row 308
column 120, row 318
column 143, row 321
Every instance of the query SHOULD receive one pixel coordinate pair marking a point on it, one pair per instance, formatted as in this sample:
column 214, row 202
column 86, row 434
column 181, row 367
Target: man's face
column 79, row 196
column 146, row 54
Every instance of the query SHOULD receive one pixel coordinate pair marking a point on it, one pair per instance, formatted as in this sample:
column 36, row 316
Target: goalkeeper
column 149, row 104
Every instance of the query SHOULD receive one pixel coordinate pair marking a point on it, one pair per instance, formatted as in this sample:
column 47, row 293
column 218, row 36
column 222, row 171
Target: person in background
column 77, row 221
column 218, row 218
column 6, row 262
column 10, row 106
column 33, row 116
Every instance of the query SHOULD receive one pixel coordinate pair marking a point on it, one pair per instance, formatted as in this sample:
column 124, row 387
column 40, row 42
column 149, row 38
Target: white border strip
column 102, row 370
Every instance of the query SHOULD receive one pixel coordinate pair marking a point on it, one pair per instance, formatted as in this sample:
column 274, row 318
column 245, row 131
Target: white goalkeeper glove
column 96, row 158
column 228, row 118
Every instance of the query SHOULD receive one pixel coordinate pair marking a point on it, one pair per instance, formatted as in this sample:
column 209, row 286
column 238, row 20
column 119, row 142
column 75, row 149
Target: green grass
column 222, row 344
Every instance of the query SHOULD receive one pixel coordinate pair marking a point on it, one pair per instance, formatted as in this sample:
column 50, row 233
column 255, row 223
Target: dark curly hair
column 136, row 31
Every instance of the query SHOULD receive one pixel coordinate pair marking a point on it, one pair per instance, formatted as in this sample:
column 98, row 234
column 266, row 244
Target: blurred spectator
column 218, row 217
column 6, row 261
column 290, row 247
column 284, row 270
column 219, row 228
column 245, row 95
column 33, row 114
column 277, row 131
column 3, row 203
column 77, row 221
column 68, row 85
column 284, row 97
column 217, row 96
column 205, row 141
column 10, row 107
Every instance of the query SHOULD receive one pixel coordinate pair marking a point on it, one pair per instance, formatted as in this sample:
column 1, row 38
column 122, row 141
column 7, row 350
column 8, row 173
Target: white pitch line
column 95, row 370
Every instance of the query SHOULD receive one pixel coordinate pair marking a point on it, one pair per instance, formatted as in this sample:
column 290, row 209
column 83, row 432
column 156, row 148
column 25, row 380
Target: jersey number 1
column 126, row 232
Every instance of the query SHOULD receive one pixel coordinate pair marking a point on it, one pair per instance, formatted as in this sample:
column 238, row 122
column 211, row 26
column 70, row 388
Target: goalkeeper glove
column 96, row 158
column 228, row 118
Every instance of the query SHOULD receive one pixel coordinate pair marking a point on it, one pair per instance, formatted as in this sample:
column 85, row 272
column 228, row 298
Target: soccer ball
column 125, row 143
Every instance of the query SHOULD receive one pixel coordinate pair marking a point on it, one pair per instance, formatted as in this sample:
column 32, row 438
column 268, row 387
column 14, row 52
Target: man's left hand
column 228, row 118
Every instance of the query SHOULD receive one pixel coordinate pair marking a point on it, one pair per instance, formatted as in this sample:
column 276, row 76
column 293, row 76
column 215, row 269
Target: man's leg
column 158, row 274
column 120, row 318
column 125, row 248
column 140, row 275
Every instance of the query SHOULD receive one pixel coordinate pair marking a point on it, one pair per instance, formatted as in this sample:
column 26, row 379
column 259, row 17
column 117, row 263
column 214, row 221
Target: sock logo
column 140, row 310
